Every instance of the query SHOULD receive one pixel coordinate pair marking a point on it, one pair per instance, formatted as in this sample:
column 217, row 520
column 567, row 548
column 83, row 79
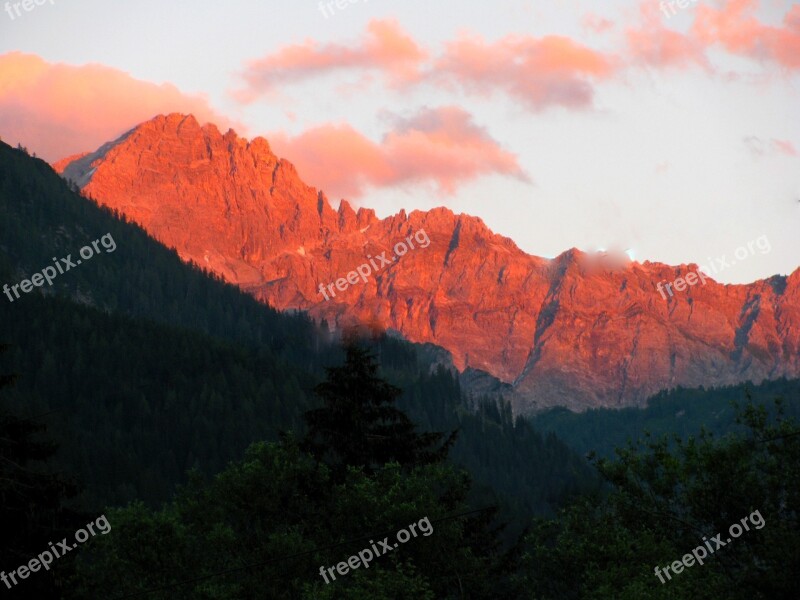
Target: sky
column 666, row 130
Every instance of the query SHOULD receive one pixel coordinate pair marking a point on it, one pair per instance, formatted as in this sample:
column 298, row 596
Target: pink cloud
column 552, row 70
column 386, row 47
column 732, row 27
column 541, row 72
column 56, row 109
column 652, row 44
column 784, row 147
column 437, row 146
column 735, row 29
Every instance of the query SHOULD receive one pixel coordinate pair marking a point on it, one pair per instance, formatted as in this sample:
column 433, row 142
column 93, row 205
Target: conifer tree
column 359, row 423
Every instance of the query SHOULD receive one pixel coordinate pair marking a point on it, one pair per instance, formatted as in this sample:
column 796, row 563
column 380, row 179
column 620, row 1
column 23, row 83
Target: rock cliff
column 578, row 330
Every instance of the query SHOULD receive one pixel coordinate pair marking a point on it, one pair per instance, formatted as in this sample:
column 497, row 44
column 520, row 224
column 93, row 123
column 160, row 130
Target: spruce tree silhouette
column 360, row 425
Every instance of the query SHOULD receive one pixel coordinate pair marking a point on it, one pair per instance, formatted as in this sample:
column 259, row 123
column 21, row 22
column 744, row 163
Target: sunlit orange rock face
column 577, row 331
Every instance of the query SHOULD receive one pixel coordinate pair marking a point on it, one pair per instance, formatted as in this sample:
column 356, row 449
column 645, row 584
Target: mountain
column 578, row 330
column 144, row 366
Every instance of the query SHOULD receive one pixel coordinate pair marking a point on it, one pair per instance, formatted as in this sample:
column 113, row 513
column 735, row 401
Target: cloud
column 439, row 146
column 735, row 29
column 732, row 27
column 652, row 44
column 385, row 47
column 759, row 148
column 56, row 109
column 541, row 72
column 784, row 147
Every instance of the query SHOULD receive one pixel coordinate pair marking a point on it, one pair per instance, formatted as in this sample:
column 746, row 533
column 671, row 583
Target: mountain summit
column 578, row 330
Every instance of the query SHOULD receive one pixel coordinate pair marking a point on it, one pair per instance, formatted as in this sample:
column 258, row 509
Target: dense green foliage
column 263, row 527
column 279, row 503
column 666, row 496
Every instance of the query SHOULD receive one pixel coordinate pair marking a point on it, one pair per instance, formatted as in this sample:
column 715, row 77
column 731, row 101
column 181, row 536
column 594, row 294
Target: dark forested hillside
column 680, row 411
column 153, row 367
column 41, row 218
column 137, row 403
